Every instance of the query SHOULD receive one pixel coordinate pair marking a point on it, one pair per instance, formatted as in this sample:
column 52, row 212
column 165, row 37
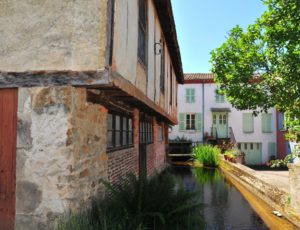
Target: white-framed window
column 190, row 121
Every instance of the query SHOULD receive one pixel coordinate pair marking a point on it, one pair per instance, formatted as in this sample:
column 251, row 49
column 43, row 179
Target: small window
column 220, row 98
column 251, row 146
column 220, row 119
column 190, row 122
column 214, row 119
column 162, row 69
column 142, row 34
column 224, row 119
column 160, row 133
column 146, row 132
column 119, row 131
column 245, row 146
column 171, row 85
column 239, row 145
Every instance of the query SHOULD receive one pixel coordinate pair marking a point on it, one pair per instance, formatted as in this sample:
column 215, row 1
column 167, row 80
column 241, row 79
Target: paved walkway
column 278, row 178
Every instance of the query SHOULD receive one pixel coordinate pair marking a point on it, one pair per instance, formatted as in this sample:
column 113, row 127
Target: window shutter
column 272, row 149
column 181, row 121
column 247, row 123
column 199, row 121
column 269, row 123
column 266, row 123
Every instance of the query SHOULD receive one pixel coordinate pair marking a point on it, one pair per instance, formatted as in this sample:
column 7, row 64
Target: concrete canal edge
column 274, row 197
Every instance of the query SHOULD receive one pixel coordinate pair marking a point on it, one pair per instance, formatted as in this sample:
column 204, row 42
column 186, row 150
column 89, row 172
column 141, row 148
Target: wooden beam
column 54, row 78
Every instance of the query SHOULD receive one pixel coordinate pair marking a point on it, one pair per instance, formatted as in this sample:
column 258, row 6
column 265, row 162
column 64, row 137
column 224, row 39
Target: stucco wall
column 52, row 34
column 235, row 118
column 61, row 154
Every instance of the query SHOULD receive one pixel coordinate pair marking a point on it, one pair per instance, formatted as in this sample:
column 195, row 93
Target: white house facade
column 204, row 114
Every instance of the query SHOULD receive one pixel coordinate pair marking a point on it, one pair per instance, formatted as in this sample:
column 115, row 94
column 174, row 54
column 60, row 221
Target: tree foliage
column 259, row 67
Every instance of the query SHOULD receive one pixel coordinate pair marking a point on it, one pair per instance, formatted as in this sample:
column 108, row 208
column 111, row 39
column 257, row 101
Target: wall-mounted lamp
column 158, row 47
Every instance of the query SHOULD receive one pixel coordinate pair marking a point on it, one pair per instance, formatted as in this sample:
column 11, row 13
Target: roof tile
column 198, row 76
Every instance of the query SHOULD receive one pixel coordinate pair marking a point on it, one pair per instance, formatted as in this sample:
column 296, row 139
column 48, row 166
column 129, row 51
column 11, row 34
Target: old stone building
column 88, row 91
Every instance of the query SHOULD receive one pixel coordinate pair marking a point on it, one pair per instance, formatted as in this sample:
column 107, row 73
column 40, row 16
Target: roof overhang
column 111, row 83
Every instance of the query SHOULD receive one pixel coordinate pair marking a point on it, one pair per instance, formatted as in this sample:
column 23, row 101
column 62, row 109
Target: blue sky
column 202, row 25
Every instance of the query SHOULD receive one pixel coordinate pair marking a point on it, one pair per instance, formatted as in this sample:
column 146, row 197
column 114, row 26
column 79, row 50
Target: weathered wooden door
column 8, row 127
column 220, row 123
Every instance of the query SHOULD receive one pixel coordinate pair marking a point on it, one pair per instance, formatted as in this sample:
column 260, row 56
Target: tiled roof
column 198, row 76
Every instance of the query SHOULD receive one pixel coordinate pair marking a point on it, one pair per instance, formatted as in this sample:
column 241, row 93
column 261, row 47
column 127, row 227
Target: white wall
column 235, row 118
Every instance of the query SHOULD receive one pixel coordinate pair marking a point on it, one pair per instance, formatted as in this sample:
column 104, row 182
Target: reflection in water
column 225, row 207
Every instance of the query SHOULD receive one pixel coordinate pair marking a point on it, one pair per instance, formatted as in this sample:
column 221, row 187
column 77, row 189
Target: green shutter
column 247, row 123
column 199, row 121
column 269, row 123
column 272, row 149
column 181, row 121
column 266, row 123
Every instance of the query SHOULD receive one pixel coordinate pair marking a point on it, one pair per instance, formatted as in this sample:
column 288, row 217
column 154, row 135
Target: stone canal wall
column 278, row 199
column 294, row 176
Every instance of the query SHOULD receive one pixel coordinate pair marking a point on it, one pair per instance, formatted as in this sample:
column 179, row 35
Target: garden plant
column 158, row 202
column 207, row 155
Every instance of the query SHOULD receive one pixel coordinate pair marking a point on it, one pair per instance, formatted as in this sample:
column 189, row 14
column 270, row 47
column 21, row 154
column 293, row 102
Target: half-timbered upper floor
column 125, row 46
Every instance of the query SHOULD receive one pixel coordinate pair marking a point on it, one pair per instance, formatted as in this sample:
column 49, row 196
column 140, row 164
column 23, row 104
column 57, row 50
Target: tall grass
column 155, row 203
column 207, row 155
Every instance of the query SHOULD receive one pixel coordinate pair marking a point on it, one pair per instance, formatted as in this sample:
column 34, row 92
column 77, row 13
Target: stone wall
column 294, row 177
column 61, row 154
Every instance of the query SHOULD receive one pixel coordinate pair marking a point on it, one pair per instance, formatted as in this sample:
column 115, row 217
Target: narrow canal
column 225, row 207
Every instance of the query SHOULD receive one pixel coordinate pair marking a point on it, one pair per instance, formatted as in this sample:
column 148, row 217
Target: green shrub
column 207, row 155
column 155, row 203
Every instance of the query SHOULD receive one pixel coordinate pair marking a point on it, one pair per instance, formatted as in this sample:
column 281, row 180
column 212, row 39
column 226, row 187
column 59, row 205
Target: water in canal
column 225, row 207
